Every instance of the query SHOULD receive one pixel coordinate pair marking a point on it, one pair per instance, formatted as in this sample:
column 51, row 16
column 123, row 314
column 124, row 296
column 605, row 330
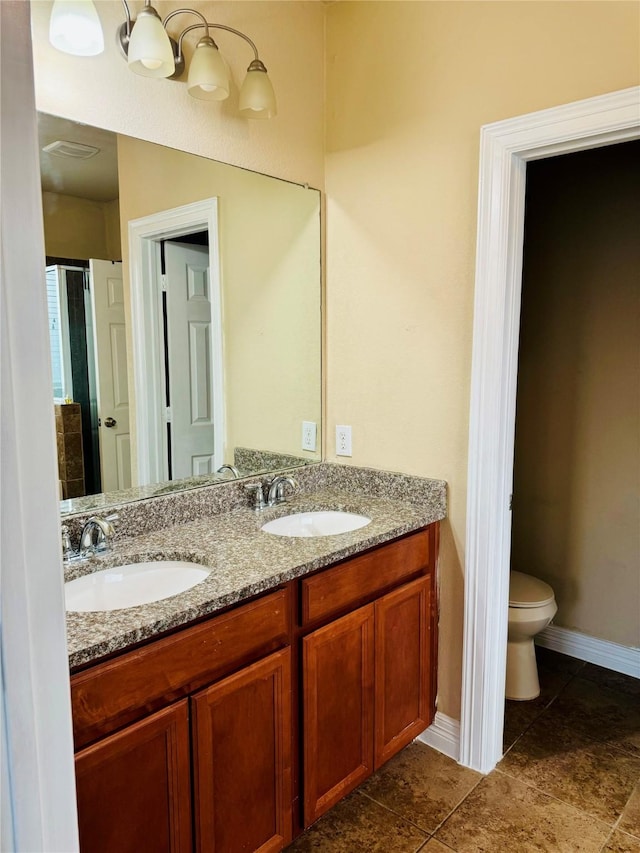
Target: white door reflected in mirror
column 107, row 304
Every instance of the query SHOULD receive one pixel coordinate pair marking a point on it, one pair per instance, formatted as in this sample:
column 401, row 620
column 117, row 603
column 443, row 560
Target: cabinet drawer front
column 119, row 691
column 361, row 578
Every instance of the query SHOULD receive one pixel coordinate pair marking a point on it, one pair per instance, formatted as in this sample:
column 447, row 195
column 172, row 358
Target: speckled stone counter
column 243, row 559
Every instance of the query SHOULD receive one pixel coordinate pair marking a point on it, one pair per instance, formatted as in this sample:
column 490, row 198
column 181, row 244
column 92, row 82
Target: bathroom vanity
column 237, row 728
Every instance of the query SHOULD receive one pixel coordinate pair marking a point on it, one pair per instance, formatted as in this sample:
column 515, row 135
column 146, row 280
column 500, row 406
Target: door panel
column 189, row 343
column 242, row 760
column 338, row 672
column 107, row 300
column 403, row 665
column 133, row 787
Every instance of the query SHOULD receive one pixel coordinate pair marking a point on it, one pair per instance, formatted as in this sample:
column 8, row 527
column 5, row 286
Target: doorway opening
column 86, row 309
column 505, row 149
column 178, row 347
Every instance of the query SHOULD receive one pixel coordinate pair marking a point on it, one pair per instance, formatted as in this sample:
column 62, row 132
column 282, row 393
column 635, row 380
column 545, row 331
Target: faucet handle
column 67, row 548
column 256, row 489
column 111, row 519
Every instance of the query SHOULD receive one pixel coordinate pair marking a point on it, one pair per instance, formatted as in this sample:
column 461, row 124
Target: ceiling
column 95, row 178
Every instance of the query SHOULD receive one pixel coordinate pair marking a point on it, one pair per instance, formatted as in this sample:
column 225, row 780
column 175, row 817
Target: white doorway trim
column 145, row 235
column 505, row 148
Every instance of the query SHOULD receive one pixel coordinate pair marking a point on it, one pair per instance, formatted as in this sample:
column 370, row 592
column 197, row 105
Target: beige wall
column 270, row 274
column 80, row 228
column 576, row 511
column 409, row 86
column 112, row 229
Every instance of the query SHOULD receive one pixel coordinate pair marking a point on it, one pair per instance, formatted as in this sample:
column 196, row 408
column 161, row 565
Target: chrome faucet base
column 231, row 468
column 94, row 539
column 277, row 493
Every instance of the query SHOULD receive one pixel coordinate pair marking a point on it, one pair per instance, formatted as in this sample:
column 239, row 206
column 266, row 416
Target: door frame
column 505, row 149
column 145, row 235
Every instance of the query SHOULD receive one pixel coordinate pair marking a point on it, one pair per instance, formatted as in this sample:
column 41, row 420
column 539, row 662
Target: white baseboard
column 444, row 735
column 623, row 659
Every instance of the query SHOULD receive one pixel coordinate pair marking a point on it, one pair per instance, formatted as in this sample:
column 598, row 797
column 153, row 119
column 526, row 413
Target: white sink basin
column 130, row 585
column 325, row 523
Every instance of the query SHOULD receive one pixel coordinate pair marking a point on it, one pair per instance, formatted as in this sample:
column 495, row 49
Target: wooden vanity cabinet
column 233, row 737
column 209, row 739
column 366, row 676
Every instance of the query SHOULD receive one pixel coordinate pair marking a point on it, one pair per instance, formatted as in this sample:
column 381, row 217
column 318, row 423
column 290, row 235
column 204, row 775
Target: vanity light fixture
column 74, row 27
column 151, row 52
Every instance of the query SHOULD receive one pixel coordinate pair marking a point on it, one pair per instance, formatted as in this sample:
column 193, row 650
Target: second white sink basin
column 323, row 523
column 130, row 585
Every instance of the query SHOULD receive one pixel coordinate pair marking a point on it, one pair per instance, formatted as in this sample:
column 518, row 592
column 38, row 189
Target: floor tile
column 595, row 777
column 611, row 679
column 518, row 716
column 421, row 785
column 620, row 842
column 598, row 712
column 557, row 662
column 630, row 821
column 358, row 824
column 554, row 672
column 435, row 846
column 503, row 814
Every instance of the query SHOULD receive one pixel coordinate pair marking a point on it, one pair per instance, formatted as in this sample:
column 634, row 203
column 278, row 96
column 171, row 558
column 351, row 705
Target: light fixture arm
column 127, row 23
column 190, row 12
column 217, row 27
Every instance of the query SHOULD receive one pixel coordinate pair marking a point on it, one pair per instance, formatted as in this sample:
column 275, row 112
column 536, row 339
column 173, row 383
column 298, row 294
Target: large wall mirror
column 185, row 317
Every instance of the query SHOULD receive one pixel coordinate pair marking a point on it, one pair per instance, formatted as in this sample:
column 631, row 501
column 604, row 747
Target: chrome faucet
column 277, row 490
column 231, row 468
column 96, row 534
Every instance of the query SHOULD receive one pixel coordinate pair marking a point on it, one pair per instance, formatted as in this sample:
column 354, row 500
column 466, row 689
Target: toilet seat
column 527, row 591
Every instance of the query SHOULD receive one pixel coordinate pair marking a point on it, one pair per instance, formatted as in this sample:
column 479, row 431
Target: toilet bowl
column 532, row 606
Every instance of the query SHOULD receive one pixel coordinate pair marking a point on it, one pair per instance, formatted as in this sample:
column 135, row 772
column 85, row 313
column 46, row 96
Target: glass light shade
column 74, row 27
column 257, row 98
column 150, row 53
column 208, row 73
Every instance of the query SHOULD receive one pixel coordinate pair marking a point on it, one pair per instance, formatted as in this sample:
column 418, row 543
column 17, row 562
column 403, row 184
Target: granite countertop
column 244, row 560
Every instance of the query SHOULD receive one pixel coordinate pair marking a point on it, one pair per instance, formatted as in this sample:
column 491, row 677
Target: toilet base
column 522, row 670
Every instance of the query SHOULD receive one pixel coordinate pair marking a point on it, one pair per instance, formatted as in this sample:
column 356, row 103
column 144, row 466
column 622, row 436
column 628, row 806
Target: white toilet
column 532, row 606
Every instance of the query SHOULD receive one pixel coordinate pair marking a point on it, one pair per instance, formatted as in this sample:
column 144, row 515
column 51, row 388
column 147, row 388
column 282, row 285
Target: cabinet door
column 133, row 787
column 242, row 759
column 338, row 676
column 403, row 668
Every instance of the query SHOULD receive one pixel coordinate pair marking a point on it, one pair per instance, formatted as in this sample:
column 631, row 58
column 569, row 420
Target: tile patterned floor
column 569, row 781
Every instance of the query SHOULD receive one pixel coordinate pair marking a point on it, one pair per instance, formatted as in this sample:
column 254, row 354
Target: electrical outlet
column 343, row 440
column 309, row 435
